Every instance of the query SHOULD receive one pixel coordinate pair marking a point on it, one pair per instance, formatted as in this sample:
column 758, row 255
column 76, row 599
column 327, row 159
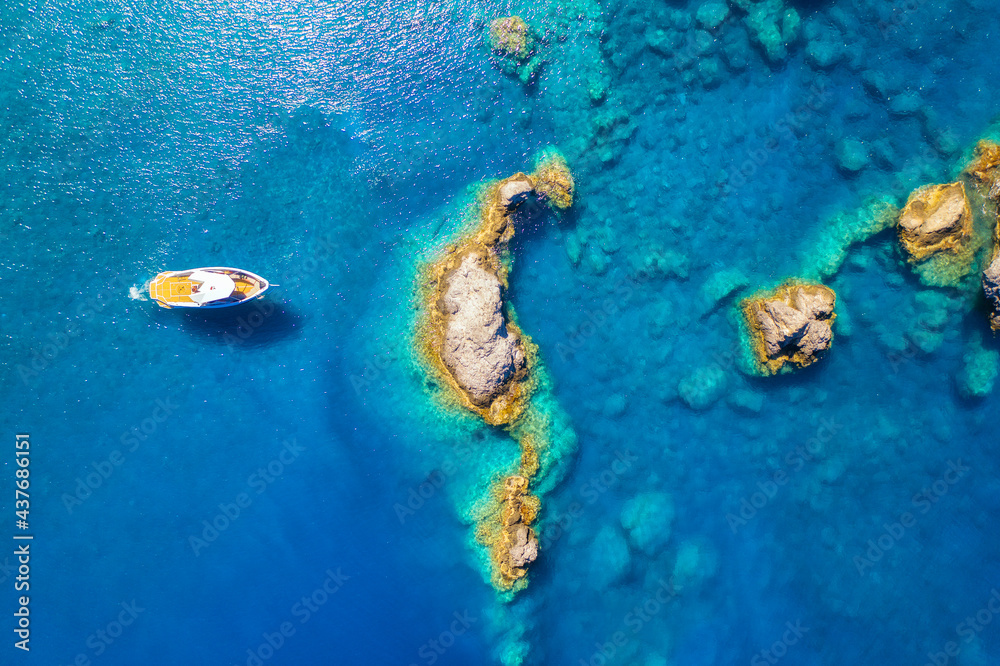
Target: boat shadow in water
column 255, row 324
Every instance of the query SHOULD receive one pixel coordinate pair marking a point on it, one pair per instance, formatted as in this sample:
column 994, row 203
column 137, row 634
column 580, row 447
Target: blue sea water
column 274, row 485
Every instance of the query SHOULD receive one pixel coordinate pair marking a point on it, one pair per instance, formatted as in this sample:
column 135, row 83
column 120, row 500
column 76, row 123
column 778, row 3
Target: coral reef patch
column 513, row 41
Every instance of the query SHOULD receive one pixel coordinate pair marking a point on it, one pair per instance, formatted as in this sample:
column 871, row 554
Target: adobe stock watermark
column 778, row 649
column 967, row 630
column 104, row 638
column 247, row 324
column 922, row 502
column 901, row 9
column 786, row 127
column 326, row 248
column 130, row 439
column 302, row 610
column 794, row 460
column 635, row 620
column 418, row 496
column 258, row 482
column 44, row 352
column 432, row 650
column 589, row 493
column 596, row 319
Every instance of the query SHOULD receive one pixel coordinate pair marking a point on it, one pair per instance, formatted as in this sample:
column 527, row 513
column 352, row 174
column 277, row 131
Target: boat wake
column 137, row 293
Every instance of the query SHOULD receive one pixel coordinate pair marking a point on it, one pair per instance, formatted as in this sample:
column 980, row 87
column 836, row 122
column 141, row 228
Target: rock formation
column 553, row 181
column 480, row 350
column 511, row 36
column 476, row 351
column 937, row 218
column 790, row 325
column 516, row 546
column 486, row 358
column 513, row 44
column 991, row 287
column 985, row 168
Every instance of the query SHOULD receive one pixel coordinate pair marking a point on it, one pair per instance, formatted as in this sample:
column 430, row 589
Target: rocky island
column 789, row 327
column 474, row 348
column 936, row 232
column 469, row 334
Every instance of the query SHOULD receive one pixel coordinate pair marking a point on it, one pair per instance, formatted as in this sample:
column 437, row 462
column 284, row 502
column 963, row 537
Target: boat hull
column 175, row 289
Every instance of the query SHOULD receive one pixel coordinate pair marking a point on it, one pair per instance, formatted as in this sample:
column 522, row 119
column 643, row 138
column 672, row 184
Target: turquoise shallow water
column 330, row 146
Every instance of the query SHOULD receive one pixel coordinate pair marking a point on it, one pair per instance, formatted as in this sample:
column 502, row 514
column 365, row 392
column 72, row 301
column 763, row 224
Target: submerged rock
column 852, row 155
column 790, row 326
column 511, row 36
column 936, row 218
column 553, row 181
column 648, row 519
column 702, row 387
column 981, row 366
column 610, row 559
column 991, row 288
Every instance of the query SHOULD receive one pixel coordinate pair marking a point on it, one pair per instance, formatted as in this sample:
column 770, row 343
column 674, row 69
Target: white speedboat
column 213, row 287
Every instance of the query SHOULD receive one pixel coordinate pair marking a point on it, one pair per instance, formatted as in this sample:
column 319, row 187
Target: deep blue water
column 329, row 146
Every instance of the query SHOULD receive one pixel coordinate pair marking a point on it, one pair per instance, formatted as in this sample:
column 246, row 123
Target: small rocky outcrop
column 991, row 287
column 513, row 43
column 511, row 36
column 791, row 326
column 985, row 168
column 937, row 218
column 517, row 545
column 553, row 181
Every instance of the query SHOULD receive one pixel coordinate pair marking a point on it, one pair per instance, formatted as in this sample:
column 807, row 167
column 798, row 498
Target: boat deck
column 177, row 289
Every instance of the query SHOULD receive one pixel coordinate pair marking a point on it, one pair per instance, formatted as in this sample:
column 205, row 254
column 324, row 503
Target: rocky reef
column 789, row 327
column 511, row 38
column 511, row 539
column 936, row 226
column 553, row 180
column 469, row 334
column 985, row 168
column 991, row 288
column 474, row 349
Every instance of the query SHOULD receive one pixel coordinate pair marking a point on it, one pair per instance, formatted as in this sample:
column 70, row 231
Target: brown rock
column 985, row 168
column 991, row 288
column 936, row 218
column 478, row 348
column 514, row 191
column 791, row 325
column 525, row 546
